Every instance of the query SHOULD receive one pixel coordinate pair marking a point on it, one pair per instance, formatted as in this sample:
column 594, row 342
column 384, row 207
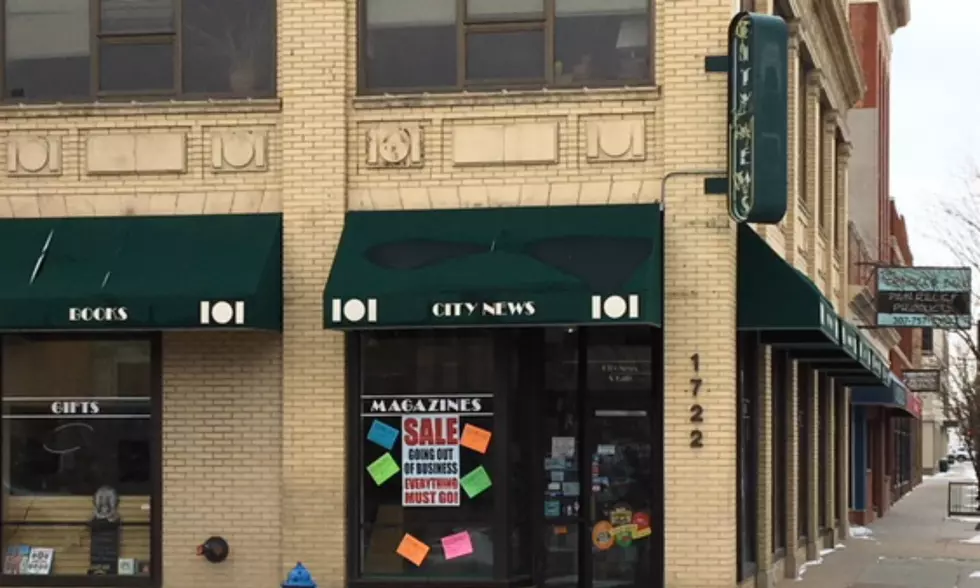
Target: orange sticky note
column 475, row 438
column 412, row 549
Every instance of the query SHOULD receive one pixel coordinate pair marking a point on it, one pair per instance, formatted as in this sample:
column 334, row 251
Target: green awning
column 497, row 266
column 778, row 300
column 141, row 273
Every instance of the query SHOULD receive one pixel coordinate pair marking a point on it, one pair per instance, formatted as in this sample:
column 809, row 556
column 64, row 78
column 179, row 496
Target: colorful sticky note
column 382, row 434
column 412, row 549
column 383, row 468
column 475, row 438
column 475, row 482
column 457, row 545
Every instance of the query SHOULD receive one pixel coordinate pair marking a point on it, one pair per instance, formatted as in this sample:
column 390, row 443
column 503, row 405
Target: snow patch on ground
column 975, row 540
column 859, row 532
column 816, row 562
column 805, row 567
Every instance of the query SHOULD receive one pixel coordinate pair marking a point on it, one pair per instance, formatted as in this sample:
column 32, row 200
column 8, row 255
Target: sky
column 935, row 117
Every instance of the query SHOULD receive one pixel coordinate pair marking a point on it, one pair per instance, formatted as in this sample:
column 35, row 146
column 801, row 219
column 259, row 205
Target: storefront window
column 803, row 390
column 779, row 454
column 748, row 456
column 427, row 430
column 823, row 448
column 80, row 457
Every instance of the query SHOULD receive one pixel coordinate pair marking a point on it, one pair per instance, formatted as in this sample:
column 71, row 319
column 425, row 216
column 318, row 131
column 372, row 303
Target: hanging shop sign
column 921, row 380
column 758, row 96
column 926, row 297
column 430, row 460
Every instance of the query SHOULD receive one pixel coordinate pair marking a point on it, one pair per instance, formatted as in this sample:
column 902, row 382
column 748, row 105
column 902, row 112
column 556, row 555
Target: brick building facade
column 267, row 421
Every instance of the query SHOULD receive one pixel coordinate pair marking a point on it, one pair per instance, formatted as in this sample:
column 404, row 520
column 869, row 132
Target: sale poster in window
column 430, row 460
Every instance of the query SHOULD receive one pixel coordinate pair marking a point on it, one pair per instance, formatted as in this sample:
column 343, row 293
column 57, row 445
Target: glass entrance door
column 600, row 490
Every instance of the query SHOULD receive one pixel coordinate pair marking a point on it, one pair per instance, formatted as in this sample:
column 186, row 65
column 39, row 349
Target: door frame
column 585, row 439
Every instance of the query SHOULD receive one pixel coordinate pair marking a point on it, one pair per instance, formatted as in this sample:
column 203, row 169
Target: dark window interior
column 748, row 455
column 543, row 405
column 803, row 406
column 78, row 418
column 65, row 51
column 927, row 341
column 503, row 44
column 780, row 442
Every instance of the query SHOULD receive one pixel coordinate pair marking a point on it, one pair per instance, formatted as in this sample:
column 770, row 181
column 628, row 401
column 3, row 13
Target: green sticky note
column 383, row 468
column 475, row 482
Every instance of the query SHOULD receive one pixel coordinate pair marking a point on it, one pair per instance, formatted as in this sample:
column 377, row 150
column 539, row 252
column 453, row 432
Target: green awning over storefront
column 141, row 273
column 790, row 312
column 497, row 266
column 776, row 299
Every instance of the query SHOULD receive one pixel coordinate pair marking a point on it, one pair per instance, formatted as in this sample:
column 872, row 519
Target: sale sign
column 430, row 460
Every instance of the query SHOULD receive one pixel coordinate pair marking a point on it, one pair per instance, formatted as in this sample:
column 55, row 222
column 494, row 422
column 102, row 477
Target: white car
column 960, row 455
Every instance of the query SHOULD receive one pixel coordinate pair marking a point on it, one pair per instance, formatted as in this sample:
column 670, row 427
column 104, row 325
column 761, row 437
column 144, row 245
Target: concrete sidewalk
column 914, row 546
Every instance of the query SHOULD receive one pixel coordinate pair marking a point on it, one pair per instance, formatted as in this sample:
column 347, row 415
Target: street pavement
column 914, row 546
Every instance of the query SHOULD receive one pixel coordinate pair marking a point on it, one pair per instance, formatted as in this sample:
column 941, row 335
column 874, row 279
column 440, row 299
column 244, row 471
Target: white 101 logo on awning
column 616, row 307
column 222, row 312
column 353, row 310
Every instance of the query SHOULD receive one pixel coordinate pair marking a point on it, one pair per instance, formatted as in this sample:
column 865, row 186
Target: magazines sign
column 926, row 297
column 430, row 460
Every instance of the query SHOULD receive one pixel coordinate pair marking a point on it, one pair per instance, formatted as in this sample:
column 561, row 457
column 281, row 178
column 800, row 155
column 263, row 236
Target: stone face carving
column 238, row 149
column 505, row 143
column 615, row 140
column 136, row 153
column 394, row 145
column 34, row 155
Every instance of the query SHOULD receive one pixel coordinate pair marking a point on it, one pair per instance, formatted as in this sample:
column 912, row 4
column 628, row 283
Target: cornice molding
column 841, row 47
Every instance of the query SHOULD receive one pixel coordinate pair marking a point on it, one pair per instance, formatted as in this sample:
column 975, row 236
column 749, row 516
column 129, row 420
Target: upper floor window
column 447, row 45
column 78, row 50
column 927, row 341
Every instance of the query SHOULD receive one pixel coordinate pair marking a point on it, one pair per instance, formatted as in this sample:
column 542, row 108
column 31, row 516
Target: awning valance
column 893, row 394
column 497, row 266
column 141, row 273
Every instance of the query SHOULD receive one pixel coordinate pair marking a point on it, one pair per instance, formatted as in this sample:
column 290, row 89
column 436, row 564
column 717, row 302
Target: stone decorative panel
column 507, row 143
column 136, row 153
column 615, row 139
column 239, row 149
column 34, row 155
column 394, row 145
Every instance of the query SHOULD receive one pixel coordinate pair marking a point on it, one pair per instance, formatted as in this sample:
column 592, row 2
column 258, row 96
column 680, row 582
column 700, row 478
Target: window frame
column 501, row 523
column 155, row 579
column 464, row 27
column 749, row 394
column 97, row 39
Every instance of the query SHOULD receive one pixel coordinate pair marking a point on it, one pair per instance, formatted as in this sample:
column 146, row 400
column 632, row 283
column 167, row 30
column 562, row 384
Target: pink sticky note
column 457, row 545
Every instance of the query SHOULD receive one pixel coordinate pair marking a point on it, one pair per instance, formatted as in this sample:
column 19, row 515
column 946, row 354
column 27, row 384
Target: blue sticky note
column 382, row 434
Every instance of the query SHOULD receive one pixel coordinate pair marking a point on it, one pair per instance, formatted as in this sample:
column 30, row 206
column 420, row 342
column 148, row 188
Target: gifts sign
column 430, row 460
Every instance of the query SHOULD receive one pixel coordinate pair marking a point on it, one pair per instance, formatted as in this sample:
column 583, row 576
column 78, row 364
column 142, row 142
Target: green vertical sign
column 758, row 96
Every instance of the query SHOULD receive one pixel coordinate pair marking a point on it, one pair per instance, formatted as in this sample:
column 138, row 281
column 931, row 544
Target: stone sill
column 141, row 108
column 518, row 97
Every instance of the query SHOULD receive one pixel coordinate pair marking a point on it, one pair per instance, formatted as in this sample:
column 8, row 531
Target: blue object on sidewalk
column 299, row 577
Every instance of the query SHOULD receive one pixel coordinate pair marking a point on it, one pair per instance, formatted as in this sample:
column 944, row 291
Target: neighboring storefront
column 505, row 394
column 84, row 303
column 790, row 314
column 884, row 445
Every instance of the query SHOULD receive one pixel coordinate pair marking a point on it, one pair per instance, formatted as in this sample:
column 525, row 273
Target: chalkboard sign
column 104, row 548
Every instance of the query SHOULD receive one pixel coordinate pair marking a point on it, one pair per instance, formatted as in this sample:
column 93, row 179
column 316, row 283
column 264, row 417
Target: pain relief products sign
column 430, row 460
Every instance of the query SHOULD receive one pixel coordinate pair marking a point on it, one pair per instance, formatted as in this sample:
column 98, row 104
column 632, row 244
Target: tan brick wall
column 222, row 438
column 316, row 155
